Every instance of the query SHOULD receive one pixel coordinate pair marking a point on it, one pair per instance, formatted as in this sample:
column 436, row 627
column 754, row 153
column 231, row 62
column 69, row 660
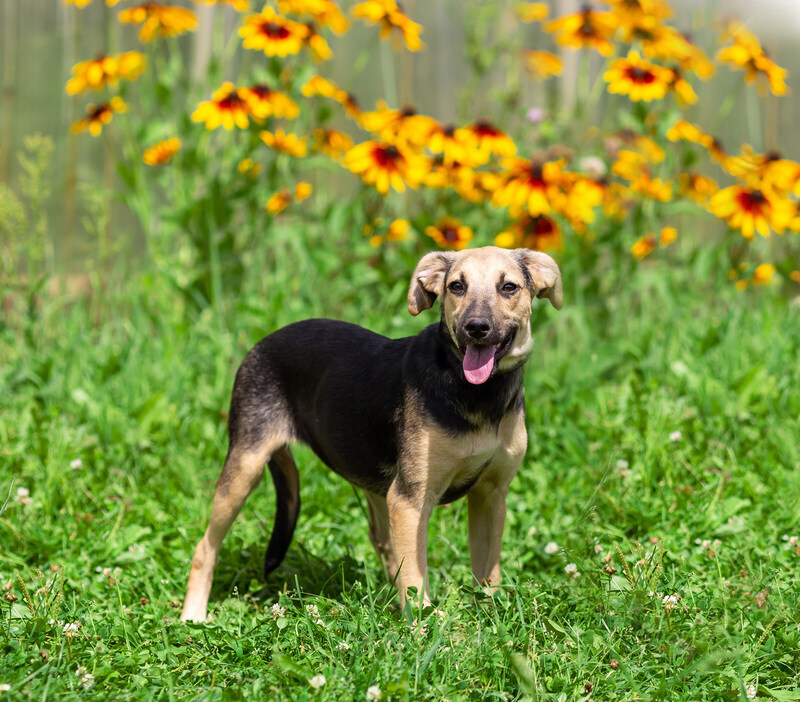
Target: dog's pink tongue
column 478, row 363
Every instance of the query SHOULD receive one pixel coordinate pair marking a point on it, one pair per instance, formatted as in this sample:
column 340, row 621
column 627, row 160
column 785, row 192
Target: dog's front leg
column 408, row 519
column 486, row 504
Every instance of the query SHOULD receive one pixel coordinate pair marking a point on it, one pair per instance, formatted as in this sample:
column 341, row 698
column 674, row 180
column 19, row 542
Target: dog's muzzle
column 481, row 349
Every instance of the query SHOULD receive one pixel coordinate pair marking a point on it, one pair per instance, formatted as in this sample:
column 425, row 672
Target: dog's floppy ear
column 427, row 282
column 544, row 275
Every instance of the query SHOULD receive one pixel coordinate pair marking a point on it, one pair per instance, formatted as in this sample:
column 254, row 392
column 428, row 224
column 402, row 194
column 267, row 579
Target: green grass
column 113, row 418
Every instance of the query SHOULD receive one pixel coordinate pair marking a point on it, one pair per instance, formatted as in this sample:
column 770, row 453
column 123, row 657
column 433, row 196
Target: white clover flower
column 670, row 601
column 87, row 681
column 552, row 548
column 622, row 464
column 71, row 629
column 81, row 670
column 675, row 435
column 374, row 693
column 598, row 548
column 313, row 612
column 343, row 646
column 5, row 687
column 317, row 681
column 571, row 569
column 76, row 463
column 164, row 581
column 23, row 496
column 277, row 611
column 750, row 692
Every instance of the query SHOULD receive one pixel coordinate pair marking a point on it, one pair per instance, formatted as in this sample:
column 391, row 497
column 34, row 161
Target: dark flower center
column 275, row 31
column 640, row 75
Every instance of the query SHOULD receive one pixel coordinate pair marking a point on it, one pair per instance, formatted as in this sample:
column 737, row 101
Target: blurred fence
column 43, row 39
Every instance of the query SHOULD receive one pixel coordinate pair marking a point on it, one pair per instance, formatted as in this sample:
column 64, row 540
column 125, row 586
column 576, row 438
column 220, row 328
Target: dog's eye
column 456, row 286
column 510, row 287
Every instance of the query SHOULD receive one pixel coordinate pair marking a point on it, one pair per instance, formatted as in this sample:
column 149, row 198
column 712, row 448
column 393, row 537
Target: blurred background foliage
column 621, row 181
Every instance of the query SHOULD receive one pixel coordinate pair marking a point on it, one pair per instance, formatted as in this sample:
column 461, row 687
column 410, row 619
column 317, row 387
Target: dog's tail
column 287, row 492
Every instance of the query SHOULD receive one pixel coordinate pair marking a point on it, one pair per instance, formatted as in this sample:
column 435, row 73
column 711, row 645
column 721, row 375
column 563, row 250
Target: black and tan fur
column 395, row 417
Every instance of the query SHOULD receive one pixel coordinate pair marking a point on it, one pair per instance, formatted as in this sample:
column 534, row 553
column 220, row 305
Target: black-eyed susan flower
column 286, row 143
column 686, row 131
column 667, row 236
column 227, row 108
column 581, row 196
column 272, row 33
column 746, row 53
column 542, row 64
column 452, row 144
column 387, row 165
column 642, row 145
column 540, row 233
column 326, row 13
column 532, row 11
column 388, row 15
column 631, row 10
column 449, row 233
column 488, row 139
column 750, row 210
column 398, row 229
column 449, row 174
column 637, row 78
column 681, row 87
column 763, row 274
column 99, row 115
column 587, row 28
column 320, row 51
column 332, row 142
column 238, row 5
column 317, row 85
column 302, row 191
column 78, row 3
column 262, row 101
column 529, row 186
column 105, row 70
column 247, row 166
column 769, row 170
column 405, row 126
column 158, row 19
column 697, row 187
column 162, row 152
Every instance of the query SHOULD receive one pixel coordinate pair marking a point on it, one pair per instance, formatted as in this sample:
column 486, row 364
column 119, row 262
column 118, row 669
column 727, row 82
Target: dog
column 413, row 422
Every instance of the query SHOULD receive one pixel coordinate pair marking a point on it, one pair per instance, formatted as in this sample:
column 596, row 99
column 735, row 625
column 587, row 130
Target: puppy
column 414, row 422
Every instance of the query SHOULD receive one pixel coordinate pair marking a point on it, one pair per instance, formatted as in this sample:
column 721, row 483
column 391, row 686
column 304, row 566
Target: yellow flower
column 262, row 102
column 105, row 70
column 325, row 12
column 586, row 28
column 385, row 165
column 227, row 108
column 543, row 64
column 279, row 202
column 487, row 139
column 287, row 143
column 668, row 235
column 398, row 230
column 317, row 85
column 698, row 187
column 77, row 3
column 274, row 34
column 682, row 88
column 247, row 166
column 238, row 5
column 644, row 145
column 162, row 152
column 320, row 51
column 751, row 210
column 404, row 126
column 637, row 78
column 99, row 115
column 644, row 246
column 532, row 11
column 746, row 53
column 155, row 18
column 453, row 174
column 686, row 131
column 531, row 186
column 763, row 274
column 795, row 276
column 302, row 191
column 332, row 142
column 390, row 17
column 540, row 233
column 769, row 170
column 450, row 233
column 453, row 145
column 628, row 10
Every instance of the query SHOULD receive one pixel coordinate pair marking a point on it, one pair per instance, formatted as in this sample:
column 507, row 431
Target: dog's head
column 486, row 297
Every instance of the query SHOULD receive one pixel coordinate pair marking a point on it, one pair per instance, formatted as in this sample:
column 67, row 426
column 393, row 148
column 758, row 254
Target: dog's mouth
column 481, row 359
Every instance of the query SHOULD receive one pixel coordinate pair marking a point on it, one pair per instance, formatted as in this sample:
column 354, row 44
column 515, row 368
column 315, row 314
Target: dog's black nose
column 477, row 327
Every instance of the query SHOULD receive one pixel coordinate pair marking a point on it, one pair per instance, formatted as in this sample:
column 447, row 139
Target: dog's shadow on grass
column 242, row 571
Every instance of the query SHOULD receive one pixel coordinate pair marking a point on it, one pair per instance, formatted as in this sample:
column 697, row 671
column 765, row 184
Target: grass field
column 663, row 462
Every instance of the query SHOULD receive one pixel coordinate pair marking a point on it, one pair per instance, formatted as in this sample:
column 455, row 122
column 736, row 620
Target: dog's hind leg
column 240, row 475
column 380, row 533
